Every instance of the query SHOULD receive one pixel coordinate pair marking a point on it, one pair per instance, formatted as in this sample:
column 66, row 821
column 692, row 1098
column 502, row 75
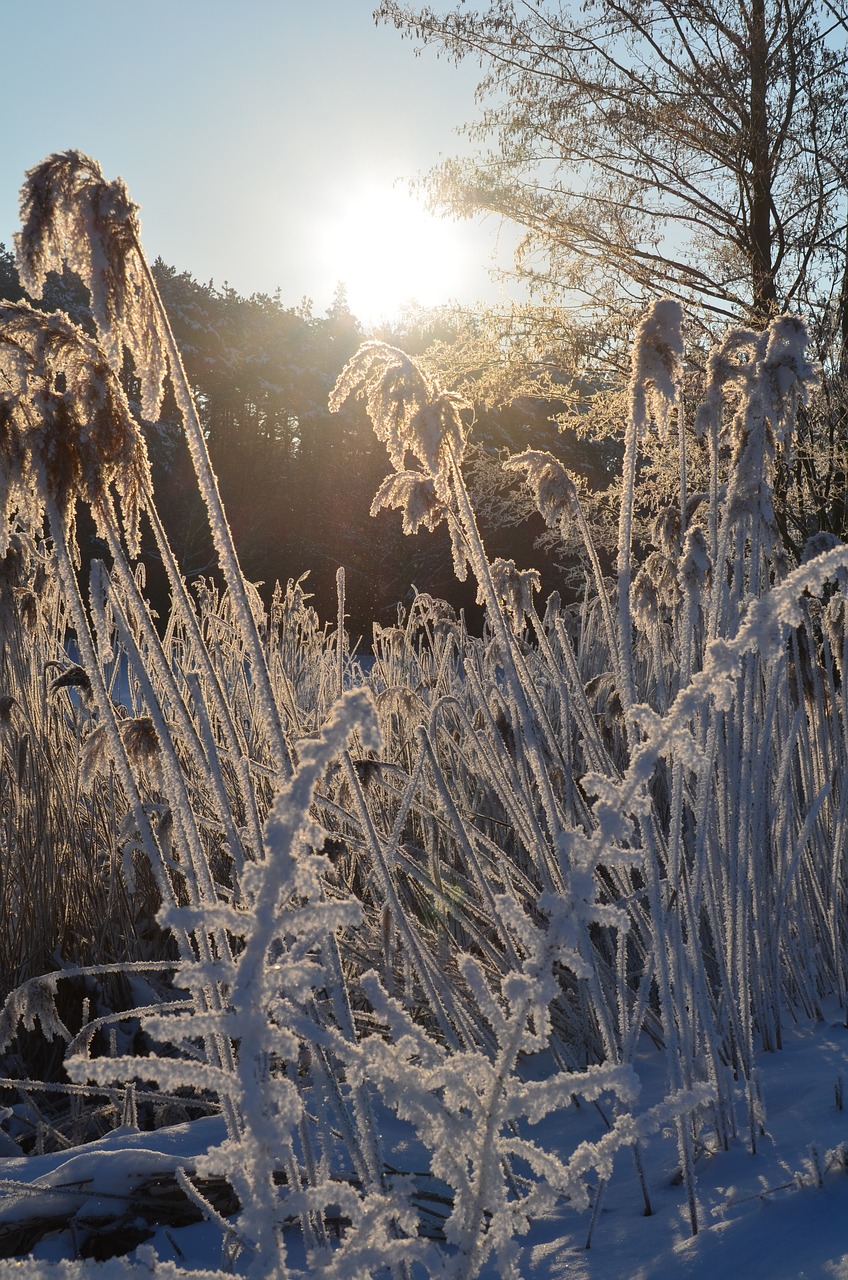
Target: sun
column 388, row 250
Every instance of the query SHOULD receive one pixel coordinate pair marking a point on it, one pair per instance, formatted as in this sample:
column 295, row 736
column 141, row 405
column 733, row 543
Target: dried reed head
column 554, row 490
column 427, row 612
column 514, row 589
column 835, row 619
column 666, row 530
column 770, row 370
column 66, row 430
column 27, row 606
column 695, row 569
column 141, row 743
column 71, row 215
column 414, row 495
column 409, row 411
column 644, row 602
column 290, row 606
column 7, row 704
column 730, row 370
column 787, row 373
column 657, row 369
column 75, row 677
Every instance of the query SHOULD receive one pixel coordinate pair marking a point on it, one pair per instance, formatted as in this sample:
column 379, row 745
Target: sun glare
column 387, row 250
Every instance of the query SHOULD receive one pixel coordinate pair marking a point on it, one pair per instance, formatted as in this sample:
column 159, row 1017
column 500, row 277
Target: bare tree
column 694, row 148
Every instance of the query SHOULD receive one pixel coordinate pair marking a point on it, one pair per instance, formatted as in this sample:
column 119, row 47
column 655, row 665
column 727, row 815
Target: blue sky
column 262, row 140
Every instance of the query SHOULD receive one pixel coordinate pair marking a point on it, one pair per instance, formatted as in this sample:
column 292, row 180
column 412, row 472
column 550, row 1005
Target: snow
column 119, row 1155
column 764, row 1216
column 758, row 1221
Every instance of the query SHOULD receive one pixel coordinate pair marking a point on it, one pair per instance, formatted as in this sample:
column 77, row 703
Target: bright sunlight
column 388, row 250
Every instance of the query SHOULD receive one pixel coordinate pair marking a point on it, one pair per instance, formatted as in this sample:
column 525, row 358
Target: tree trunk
column 764, row 290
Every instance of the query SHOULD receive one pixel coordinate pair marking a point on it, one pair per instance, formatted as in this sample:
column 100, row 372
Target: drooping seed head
column 554, row 490
column 695, row 569
column 644, row 602
column 787, row 373
column 7, row 704
column 414, row 495
column 66, row 430
column 656, row 363
column 666, row 530
column 662, row 571
column 142, row 743
column 409, row 411
column 730, row 365
column 514, row 588
column 834, row 626
column 70, row 215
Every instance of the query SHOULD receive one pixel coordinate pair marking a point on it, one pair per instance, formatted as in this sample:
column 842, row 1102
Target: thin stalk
column 211, row 683
column 221, row 535
column 205, row 754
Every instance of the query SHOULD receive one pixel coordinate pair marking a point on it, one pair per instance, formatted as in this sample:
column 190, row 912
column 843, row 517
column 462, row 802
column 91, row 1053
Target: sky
column 263, row 139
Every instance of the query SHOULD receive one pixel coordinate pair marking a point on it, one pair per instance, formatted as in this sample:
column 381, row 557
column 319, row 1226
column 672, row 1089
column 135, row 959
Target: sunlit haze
column 264, row 142
column 390, row 251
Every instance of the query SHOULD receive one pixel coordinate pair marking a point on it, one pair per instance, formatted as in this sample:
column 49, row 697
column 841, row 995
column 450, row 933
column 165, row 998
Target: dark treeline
column 298, row 481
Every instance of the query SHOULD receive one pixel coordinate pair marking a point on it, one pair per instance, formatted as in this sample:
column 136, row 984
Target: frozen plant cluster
column 462, row 889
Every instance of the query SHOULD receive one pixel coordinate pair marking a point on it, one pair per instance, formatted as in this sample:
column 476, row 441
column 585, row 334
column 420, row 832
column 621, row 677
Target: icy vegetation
column 358, row 942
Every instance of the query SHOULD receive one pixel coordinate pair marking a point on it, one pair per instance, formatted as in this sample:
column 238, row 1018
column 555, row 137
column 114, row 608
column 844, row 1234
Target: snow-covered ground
column 762, row 1216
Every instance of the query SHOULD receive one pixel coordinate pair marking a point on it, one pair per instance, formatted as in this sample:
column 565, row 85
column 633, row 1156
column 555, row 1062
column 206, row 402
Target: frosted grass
column 468, row 885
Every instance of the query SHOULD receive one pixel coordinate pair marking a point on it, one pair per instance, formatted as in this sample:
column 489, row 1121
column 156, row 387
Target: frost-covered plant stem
column 106, row 711
column 529, row 733
column 218, row 1048
column 221, row 534
column 440, row 1001
column 340, row 633
column 205, row 754
column 600, row 583
column 466, row 844
column 72, row 216
column 624, row 652
column 654, row 389
column 196, row 871
column 211, row 684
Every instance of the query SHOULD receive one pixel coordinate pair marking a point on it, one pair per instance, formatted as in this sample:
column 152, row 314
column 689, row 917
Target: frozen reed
column 468, row 886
